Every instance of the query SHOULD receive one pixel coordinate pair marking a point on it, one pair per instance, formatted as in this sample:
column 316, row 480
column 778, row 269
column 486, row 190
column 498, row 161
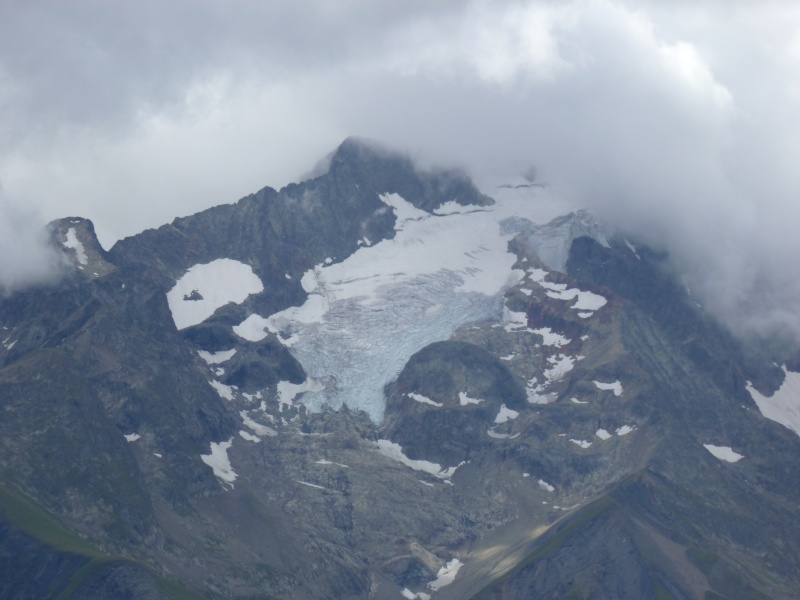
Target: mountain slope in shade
column 382, row 383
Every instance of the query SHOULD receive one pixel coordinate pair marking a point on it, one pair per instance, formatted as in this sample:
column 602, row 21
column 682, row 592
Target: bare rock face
column 556, row 440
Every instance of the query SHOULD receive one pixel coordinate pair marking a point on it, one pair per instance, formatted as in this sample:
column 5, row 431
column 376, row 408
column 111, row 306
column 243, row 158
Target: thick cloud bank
column 678, row 121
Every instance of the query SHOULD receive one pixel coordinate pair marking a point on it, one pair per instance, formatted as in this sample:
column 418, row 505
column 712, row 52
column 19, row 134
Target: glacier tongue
column 367, row 315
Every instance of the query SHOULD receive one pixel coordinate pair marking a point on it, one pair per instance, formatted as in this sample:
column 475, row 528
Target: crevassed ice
column 368, row 314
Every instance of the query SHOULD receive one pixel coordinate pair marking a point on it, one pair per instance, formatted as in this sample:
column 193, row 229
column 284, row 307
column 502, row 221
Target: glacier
column 367, row 315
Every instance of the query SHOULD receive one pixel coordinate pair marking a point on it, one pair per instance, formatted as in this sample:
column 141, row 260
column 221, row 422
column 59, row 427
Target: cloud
column 677, row 121
column 26, row 258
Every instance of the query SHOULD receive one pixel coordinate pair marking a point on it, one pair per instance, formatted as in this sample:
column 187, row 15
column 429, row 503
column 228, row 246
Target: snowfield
column 73, row 243
column 219, row 462
column 205, row 288
column 395, row 452
column 614, row 386
column 784, row 405
column 723, row 453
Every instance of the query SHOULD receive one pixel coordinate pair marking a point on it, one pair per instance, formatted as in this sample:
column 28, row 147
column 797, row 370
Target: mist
column 26, row 257
column 674, row 122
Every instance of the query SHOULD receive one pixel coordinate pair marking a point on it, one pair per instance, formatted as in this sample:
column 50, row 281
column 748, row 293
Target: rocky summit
column 383, row 382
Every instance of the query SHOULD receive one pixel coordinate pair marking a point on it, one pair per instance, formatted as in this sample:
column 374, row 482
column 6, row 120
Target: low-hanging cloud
column 677, row 123
column 26, row 256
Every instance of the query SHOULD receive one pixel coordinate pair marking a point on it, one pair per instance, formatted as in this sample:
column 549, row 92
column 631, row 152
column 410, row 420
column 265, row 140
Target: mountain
column 383, row 382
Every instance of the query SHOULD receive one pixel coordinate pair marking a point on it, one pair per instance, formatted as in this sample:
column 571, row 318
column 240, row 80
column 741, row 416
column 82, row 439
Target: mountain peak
column 388, row 171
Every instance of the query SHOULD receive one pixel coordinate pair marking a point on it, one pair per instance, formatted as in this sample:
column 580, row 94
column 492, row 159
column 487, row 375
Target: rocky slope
column 381, row 383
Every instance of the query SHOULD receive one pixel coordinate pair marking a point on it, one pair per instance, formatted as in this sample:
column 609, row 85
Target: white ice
column 423, row 399
column 784, row 405
column 723, row 453
column 505, row 414
column 446, row 575
column 615, row 387
column 215, row 358
column 395, row 452
column 218, row 282
column 219, row 462
column 75, row 244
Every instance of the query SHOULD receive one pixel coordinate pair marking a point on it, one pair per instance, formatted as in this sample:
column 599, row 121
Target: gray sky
column 678, row 120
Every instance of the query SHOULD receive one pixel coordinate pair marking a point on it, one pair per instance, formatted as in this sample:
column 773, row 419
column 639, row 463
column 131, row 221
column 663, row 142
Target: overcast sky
column 677, row 120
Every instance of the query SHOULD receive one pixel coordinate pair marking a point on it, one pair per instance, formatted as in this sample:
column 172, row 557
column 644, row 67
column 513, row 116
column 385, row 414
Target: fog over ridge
column 674, row 121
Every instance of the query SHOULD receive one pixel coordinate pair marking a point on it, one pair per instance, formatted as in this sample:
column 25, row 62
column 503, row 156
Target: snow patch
column 724, row 453
column 534, row 392
column 550, row 338
column 206, row 287
column 72, row 242
column 624, row 430
column 632, row 248
column 131, row 437
column 463, row 399
column 446, row 575
column 249, row 436
column 602, row 434
column 257, row 428
column 505, row 414
column 395, row 452
column 615, row 387
column 219, row 462
column 225, row 391
column 586, row 301
column 328, row 462
column 423, row 399
column 215, row 358
column 546, row 486
column 582, row 443
column 784, row 405
column 501, row 436
column 509, row 357
column 313, row 485
column 562, row 365
column 576, row 401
